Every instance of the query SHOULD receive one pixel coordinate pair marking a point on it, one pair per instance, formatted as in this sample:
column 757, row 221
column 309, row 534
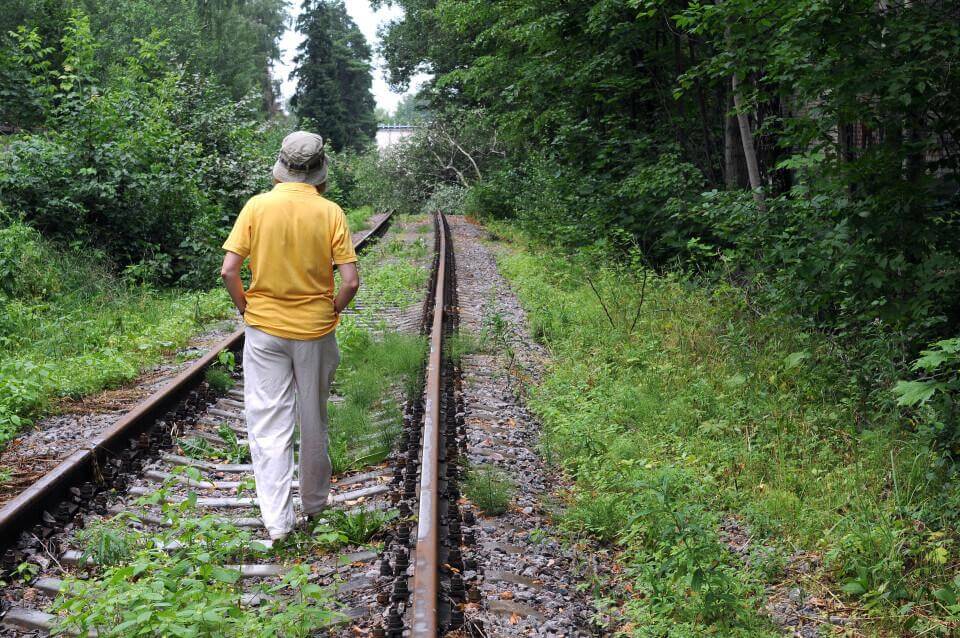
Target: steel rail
column 25, row 510
column 426, row 574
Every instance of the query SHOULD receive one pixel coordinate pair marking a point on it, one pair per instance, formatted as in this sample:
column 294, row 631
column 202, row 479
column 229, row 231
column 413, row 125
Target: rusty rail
column 426, row 574
column 26, row 509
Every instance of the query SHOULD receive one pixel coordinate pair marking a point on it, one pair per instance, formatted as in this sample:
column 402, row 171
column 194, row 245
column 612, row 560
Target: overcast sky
column 368, row 21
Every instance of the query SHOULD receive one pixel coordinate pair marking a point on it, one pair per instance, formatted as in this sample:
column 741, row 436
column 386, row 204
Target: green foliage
column 363, row 428
column 26, row 269
column 100, row 331
column 358, row 218
column 706, row 412
column 148, row 160
column 219, row 380
column 448, row 199
column 395, row 283
column 461, row 344
column 614, row 121
column 934, row 395
column 333, row 76
column 235, row 452
column 346, row 178
column 110, row 541
column 357, row 528
column 230, row 451
column 234, row 41
column 432, row 167
column 490, row 489
column 198, row 448
column 227, row 360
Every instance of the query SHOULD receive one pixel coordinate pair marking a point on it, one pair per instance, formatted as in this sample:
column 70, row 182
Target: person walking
column 294, row 238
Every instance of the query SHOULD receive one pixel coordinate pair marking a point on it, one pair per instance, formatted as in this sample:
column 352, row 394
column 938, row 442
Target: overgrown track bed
column 175, row 509
column 166, row 538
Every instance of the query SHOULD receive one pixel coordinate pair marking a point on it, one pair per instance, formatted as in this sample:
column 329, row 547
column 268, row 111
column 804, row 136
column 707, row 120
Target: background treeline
column 806, row 150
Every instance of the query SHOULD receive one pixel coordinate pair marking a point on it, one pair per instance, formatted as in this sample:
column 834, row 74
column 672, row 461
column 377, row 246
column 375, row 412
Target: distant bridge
column 388, row 134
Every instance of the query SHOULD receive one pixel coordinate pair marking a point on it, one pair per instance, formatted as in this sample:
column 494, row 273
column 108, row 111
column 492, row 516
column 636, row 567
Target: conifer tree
column 333, row 75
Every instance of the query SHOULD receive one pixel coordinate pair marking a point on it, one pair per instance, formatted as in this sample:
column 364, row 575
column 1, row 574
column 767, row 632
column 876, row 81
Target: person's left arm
column 349, row 285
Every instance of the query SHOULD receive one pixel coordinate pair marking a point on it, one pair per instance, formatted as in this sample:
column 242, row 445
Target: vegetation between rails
column 394, row 273
column 175, row 582
column 358, row 218
column 676, row 410
column 363, row 428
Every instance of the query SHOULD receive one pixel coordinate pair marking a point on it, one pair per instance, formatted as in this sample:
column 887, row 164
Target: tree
column 334, row 76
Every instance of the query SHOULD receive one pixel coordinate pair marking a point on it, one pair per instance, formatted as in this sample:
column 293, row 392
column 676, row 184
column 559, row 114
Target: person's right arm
column 237, row 248
column 230, row 272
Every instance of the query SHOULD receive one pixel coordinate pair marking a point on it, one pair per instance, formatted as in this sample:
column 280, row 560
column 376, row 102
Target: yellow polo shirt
column 293, row 237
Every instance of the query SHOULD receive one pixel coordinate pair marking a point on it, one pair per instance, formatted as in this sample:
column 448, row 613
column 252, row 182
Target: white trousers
column 286, row 381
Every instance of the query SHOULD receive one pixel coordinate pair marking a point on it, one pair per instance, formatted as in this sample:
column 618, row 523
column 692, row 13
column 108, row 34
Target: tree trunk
column 732, row 175
column 704, row 121
column 749, row 152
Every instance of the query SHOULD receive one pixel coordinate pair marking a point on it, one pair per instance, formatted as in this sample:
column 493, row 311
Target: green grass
column 705, row 411
column 359, row 218
column 69, row 328
column 393, row 283
column 462, row 343
column 358, row 528
column 490, row 489
column 219, row 380
column 363, row 428
column 390, row 276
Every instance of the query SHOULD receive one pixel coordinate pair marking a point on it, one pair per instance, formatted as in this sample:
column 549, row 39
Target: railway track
column 409, row 583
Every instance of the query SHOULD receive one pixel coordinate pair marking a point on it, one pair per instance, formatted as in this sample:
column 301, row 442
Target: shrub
column 489, row 489
column 26, row 263
column 447, row 198
column 24, row 387
column 148, row 163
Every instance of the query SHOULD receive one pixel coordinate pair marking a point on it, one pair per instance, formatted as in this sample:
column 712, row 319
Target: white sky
column 367, row 20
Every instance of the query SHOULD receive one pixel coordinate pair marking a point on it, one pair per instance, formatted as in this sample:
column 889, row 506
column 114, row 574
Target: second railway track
column 409, row 584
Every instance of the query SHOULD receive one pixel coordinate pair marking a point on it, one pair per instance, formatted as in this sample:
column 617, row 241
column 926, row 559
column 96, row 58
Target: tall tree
column 334, row 77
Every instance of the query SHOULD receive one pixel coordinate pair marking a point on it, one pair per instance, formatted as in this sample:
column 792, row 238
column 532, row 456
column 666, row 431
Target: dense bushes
column 69, row 326
column 703, row 424
column 26, row 268
column 127, row 163
column 638, row 124
column 147, row 164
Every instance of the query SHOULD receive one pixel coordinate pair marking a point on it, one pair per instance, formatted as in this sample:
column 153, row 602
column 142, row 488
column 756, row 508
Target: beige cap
column 301, row 159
